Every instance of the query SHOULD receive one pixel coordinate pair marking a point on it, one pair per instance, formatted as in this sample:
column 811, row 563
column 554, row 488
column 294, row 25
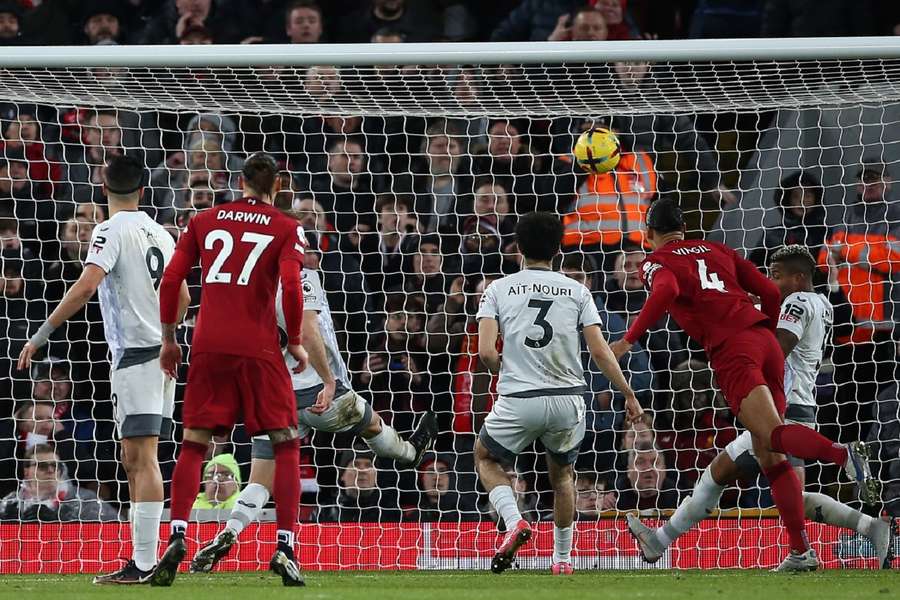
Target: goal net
column 408, row 166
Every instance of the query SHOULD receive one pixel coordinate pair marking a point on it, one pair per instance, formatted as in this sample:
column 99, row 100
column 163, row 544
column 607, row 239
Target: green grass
column 468, row 585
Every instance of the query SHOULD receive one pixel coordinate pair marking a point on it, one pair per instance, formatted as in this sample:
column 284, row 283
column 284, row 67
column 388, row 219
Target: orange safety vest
column 611, row 205
column 865, row 279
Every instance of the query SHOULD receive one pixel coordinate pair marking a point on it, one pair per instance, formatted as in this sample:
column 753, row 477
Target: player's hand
column 620, row 348
column 323, row 400
column 170, row 358
column 26, row 355
column 300, row 355
column 633, row 410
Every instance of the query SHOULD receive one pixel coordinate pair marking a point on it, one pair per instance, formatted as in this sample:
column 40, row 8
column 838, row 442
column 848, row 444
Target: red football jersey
column 713, row 283
column 241, row 247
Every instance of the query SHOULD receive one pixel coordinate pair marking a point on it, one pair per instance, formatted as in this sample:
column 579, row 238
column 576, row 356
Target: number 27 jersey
column 711, row 305
column 240, row 246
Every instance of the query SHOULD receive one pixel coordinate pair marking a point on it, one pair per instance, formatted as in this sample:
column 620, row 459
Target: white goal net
column 409, row 167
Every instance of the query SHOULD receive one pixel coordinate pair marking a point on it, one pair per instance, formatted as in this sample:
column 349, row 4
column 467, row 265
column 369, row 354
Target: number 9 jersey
column 133, row 250
column 540, row 315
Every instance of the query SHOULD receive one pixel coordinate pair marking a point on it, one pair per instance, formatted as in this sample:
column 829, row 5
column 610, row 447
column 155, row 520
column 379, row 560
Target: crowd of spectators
column 409, row 219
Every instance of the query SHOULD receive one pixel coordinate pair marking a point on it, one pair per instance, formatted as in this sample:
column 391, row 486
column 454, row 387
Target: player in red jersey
column 706, row 286
column 237, row 368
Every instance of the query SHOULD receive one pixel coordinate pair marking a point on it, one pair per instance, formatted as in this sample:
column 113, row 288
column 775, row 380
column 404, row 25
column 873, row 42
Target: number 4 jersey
column 540, row 315
column 705, row 286
column 133, row 250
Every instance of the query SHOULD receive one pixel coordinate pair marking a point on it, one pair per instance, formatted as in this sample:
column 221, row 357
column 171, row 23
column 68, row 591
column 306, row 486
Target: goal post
column 408, row 165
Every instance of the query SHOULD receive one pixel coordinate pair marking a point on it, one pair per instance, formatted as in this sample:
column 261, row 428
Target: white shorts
column 144, row 400
column 515, row 423
column 740, row 451
column 348, row 414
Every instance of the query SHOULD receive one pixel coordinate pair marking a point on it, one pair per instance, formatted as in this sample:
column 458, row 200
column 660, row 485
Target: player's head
column 791, row 268
column 539, row 235
column 260, row 178
column 123, row 179
column 665, row 221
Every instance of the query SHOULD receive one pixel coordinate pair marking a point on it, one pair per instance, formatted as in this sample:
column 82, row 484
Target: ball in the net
column 597, row 150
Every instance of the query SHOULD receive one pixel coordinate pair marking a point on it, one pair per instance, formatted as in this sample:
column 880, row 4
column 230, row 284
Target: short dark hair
column 800, row 179
column 124, row 174
column 260, row 171
column 665, row 216
column 298, row 4
column 795, row 259
column 539, row 235
column 389, row 32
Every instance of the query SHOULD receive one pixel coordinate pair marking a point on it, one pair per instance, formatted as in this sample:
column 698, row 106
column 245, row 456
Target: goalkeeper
column 349, row 413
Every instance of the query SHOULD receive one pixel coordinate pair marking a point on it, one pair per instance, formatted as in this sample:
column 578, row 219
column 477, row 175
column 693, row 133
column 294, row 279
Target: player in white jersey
column 326, row 375
column 804, row 331
column 125, row 263
column 541, row 316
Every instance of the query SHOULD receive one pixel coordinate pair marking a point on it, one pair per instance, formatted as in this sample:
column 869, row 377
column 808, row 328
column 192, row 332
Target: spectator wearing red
column 22, row 131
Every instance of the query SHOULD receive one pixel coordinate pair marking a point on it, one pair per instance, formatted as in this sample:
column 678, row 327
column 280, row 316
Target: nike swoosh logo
column 247, row 504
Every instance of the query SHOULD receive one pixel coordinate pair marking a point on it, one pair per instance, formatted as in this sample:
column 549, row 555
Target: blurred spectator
column 481, row 246
column 10, row 23
column 195, row 35
column 439, row 498
column 418, row 21
column 361, row 499
column 646, row 485
column 101, row 138
column 386, row 35
column 177, row 15
column 862, row 260
column 799, row 202
column 303, row 22
column 442, row 177
column 586, row 24
column 221, row 483
column 382, row 257
column 21, row 197
column 22, row 131
column 817, row 18
column 618, row 24
column 534, row 20
column 492, row 202
column 592, row 497
column 426, row 271
column 526, row 498
column 720, row 19
column 46, row 493
column 102, row 22
column 346, row 189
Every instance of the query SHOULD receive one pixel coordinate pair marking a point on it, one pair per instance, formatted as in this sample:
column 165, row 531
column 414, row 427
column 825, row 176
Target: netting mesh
column 409, row 181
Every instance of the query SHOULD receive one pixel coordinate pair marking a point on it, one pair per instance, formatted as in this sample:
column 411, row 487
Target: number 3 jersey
column 712, row 283
column 133, row 250
column 809, row 316
column 540, row 315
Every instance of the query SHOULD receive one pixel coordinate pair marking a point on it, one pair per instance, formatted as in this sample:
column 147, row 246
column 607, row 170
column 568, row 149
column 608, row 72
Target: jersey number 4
column 709, row 281
column 216, row 274
column 540, row 320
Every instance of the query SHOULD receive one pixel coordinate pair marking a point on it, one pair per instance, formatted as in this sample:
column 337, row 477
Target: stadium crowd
column 409, row 219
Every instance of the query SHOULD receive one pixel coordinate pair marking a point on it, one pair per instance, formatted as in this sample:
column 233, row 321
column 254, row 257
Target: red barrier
column 726, row 543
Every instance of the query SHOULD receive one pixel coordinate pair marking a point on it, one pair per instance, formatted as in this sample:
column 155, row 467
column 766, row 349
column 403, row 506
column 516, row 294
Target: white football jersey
column 809, row 316
column 314, row 299
column 540, row 315
column 133, row 250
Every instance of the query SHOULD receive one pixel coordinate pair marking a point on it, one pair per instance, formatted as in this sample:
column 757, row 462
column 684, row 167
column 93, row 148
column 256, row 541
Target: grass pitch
column 469, row 585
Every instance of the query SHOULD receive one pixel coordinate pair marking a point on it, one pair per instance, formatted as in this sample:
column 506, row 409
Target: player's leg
column 825, row 509
column 139, row 456
column 562, row 480
column 386, row 442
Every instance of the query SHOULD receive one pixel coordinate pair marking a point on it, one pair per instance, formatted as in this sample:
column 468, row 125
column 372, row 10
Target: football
column 597, row 150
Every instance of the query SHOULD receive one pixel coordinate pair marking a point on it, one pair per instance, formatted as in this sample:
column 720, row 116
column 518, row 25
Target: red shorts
column 746, row 360
column 224, row 389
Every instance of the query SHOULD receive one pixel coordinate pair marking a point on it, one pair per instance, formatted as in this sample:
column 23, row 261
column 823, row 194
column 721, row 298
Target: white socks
column 178, row 526
column 825, row 509
column 250, row 502
column 562, row 544
column 692, row 509
column 145, row 518
column 389, row 444
column 504, row 502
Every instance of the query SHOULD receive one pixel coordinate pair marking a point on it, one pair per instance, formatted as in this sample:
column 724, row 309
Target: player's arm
column 171, row 298
column 609, row 365
column 184, row 301
column 76, row 297
column 318, row 359
column 289, row 264
column 756, row 283
column 488, row 332
column 792, row 322
column 663, row 291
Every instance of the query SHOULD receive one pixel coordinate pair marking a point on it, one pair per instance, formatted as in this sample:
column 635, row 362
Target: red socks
column 806, row 443
column 788, row 498
column 186, row 479
column 287, row 484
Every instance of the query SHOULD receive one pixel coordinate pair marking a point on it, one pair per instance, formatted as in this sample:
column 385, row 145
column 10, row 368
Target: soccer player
column 540, row 390
column 237, row 368
column 706, row 286
column 803, row 331
column 125, row 263
column 349, row 412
